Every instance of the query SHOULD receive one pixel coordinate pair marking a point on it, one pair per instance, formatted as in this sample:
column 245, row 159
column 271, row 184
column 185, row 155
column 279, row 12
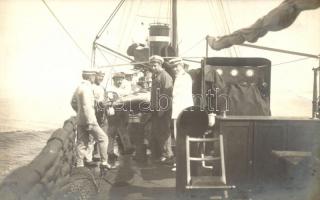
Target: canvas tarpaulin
column 245, row 95
column 277, row 19
column 246, row 100
column 243, row 99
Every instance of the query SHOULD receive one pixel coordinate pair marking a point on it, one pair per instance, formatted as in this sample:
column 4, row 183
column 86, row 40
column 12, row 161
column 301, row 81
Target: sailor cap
column 100, row 73
column 176, row 61
column 118, row 75
column 89, row 72
column 156, row 58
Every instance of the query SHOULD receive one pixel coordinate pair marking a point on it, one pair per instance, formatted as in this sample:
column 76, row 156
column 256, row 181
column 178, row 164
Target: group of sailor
column 96, row 126
column 169, row 97
column 85, row 100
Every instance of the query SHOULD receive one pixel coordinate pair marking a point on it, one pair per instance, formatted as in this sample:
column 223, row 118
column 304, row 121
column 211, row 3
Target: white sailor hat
column 89, row 71
column 156, row 58
column 118, row 75
column 100, row 73
column 176, row 61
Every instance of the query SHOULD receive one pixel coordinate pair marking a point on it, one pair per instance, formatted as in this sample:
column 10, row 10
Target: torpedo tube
column 158, row 38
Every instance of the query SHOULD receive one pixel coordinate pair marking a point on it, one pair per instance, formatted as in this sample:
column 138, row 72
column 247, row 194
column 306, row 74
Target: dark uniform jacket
column 161, row 92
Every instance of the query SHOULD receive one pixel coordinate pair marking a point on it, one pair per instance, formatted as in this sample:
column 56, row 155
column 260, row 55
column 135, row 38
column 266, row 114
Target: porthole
column 234, row 72
column 249, row 72
column 219, row 71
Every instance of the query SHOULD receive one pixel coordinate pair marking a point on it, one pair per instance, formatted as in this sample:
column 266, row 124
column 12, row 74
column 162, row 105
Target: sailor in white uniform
column 181, row 93
column 87, row 121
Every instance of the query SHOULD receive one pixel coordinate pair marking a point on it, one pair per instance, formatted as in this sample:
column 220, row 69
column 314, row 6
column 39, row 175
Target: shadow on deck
column 134, row 180
column 140, row 181
column 149, row 181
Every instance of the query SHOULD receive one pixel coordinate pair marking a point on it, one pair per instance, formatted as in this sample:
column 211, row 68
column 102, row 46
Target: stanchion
column 316, row 93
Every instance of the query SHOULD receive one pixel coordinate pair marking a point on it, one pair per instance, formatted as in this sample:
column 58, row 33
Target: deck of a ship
column 150, row 181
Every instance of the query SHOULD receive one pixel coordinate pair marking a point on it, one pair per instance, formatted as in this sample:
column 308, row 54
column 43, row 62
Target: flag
column 277, row 19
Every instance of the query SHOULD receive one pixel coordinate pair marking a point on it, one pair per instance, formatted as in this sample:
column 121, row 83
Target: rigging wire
column 93, row 55
column 169, row 11
column 139, row 6
column 223, row 17
column 216, row 19
column 139, row 35
column 169, row 18
column 103, row 28
column 127, row 22
column 111, row 71
column 119, row 31
column 138, row 11
column 224, row 23
column 291, row 61
column 194, row 61
column 105, row 25
column 194, row 45
column 122, row 57
column 144, row 16
column 289, row 90
column 198, row 42
column 159, row 10
column 213, row 16
column 237, row 50
column 65, row 30
column 134, row 21
column 102, row 54
column 124, row 64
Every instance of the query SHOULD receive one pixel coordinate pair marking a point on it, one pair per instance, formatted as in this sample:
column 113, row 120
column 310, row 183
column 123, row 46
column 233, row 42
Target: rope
column 65, row 30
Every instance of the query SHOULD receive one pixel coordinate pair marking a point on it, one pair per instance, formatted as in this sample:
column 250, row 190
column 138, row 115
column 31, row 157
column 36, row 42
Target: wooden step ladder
column 207, row 182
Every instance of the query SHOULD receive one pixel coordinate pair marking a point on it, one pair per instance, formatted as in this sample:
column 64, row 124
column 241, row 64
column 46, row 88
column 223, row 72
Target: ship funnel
column 158, row 38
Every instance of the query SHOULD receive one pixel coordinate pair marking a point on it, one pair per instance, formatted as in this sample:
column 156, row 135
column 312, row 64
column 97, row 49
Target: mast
column 174, row 27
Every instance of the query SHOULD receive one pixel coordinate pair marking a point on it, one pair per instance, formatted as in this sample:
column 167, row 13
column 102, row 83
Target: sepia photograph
column 160, row 99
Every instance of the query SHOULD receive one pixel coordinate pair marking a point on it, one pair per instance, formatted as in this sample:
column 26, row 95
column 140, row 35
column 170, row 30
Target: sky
column 40, row 65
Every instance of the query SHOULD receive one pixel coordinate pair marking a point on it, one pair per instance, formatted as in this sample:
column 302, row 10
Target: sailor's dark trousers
column 161, row 135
